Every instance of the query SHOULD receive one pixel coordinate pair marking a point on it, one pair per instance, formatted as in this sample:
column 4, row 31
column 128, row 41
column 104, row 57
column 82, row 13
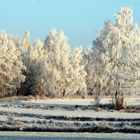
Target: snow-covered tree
column 90, row 67
column 58, row 62
column 39, row 59
column 34, row 57
column 78, row 76
column 94, row 69
column 117, row 45
column 64, row 68
column 11, row 66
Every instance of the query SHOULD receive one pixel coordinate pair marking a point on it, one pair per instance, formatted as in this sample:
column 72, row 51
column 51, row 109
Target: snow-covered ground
column 66, row 115
column 130, row 101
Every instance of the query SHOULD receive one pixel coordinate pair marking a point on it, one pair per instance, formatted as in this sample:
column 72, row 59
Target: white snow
column 75, row 113
column 130, row 101
column 16, row 111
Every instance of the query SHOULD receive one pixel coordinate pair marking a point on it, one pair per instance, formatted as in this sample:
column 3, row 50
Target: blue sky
column 79, row 19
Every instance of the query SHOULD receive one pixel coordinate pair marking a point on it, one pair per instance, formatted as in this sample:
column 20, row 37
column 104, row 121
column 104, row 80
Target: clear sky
column 79, row 19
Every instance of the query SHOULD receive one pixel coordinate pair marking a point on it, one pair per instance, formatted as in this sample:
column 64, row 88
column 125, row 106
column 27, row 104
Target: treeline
column 53, row 69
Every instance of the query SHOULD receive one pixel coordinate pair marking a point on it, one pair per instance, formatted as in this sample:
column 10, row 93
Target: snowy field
column 68, row 115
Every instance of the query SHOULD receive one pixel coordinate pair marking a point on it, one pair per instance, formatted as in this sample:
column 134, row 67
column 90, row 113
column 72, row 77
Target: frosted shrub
column 11, row 66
